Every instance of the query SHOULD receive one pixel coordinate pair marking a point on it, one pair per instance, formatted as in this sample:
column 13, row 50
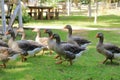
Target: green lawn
column 87, row 67
column 105, row 21
column 109, row 21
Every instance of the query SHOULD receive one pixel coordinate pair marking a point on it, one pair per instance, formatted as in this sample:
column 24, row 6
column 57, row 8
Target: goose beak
column 65, row 27
column 18, row 30
column 7, row 33
column 35, row 30
column 97, row 36
column 45, row 31
column 51, row 37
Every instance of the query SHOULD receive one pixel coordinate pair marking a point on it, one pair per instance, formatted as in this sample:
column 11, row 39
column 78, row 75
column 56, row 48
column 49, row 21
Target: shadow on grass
column 112, row 64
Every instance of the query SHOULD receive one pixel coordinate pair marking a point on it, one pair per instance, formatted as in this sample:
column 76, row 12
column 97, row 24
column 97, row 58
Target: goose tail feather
column 36, row 50
column 13, row 57
column 79, row 54
column 117, row 55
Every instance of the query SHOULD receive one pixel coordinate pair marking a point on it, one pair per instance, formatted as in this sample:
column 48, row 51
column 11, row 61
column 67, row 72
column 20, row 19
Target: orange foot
column 59, row 62
column 3, row 65
column 57, row 56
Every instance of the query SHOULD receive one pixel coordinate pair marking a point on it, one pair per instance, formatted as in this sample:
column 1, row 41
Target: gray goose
column 7, row 54
column 21, row 30
column 23, row 46
column 110, row 51
column 80, row 41
column 50, row 42
column 66, row 50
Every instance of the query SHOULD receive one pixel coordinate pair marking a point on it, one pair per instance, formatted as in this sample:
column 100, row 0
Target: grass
column 104, row 21
column 87, row 67
column 107, row 21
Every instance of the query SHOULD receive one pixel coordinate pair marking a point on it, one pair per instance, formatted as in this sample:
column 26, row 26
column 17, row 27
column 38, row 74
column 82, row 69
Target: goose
column 110, row 51
column 80, row 41
column 7, row 54
column 21, row 30
column 66, row 50
column 50, row 42
column 39, row 39
column 23, row 46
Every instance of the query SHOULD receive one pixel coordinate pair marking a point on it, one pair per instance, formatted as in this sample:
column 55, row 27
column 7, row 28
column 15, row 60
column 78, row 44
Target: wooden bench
column 53, row 14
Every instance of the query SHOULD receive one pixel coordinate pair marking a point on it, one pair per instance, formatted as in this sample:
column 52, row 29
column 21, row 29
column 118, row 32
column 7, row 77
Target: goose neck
column 38, row 34
column 69, row 32
column 23, row 36
column 58, row 40
column 13, row 36
column 101, row 39
column 50, row 34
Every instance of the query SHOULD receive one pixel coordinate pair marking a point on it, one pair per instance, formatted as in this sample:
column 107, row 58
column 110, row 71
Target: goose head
column 38, row 33
column 99, row 35
column 69, row 29
column 36, row 30
column 21, row 30
column 49, row 32
column 11, row 32
column 57, row 37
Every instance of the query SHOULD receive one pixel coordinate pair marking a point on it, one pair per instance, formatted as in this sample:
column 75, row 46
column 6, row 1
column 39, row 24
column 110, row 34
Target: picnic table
column 39, row 10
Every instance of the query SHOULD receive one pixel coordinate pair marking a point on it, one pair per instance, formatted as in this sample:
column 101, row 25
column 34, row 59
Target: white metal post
column 14, row 16
column 3, row 17
column 20, row 14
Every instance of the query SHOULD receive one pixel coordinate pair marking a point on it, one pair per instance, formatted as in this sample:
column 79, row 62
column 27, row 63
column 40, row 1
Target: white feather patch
column 117, row 56
column 13, row 57
column 85, row 45
column 36, row 50
column 79, row 54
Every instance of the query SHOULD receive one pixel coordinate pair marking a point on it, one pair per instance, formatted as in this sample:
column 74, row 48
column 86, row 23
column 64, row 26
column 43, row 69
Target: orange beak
column 45, row 31
column 51, row 37
column 65, row 27
column 97, row 36
column 7, row 33
column 34, row 30
column 18, row 30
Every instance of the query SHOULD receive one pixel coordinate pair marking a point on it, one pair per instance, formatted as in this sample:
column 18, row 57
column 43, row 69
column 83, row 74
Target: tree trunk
column 89, row 9
column 96, row 11
column 68, row 7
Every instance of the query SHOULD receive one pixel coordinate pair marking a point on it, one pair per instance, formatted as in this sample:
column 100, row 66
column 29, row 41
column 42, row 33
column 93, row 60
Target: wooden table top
column 40, row 7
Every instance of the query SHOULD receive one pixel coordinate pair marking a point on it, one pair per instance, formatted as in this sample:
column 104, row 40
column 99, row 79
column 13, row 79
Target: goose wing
column 23, row 44
column 2, row 43
column 79, row 40
column 112, row 48
column 72, row 48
